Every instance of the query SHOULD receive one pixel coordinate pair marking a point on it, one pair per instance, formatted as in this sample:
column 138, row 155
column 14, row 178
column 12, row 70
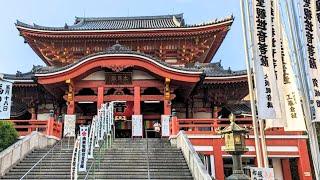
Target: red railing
column 209, row 126
column 205, row 126
column 49, row 127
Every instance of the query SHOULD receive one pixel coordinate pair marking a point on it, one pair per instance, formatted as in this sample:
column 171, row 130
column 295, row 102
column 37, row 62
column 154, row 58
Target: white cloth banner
column 83, row 156
column 69, row 129
column 262, row 173
column 277, row 62
column 309, row 20
column 266, row 87
column 293, row 108
column 92, row 137
column 5, row 99
column 165, row 125
column 137, row 125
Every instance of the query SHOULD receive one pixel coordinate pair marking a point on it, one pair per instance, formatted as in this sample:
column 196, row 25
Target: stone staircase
column 56, row 165
column 127, row 159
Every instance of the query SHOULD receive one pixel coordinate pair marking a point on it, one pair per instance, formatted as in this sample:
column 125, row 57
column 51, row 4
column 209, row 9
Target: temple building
column 151, row 66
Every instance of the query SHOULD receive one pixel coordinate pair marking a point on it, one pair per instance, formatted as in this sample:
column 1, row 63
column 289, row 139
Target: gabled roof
column 123, row 23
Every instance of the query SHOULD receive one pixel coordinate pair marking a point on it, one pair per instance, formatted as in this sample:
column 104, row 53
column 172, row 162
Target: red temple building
column 153, row 65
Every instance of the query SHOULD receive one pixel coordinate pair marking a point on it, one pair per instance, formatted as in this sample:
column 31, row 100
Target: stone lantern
column 235, row 136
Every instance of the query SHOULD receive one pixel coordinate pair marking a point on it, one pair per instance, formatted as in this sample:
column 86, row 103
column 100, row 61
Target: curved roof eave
column 119, row 54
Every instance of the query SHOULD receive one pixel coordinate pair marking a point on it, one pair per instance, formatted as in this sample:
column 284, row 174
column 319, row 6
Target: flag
column 309, row 22
column 294, row 120
column 268, row 104
column 277, row 62
column 5, row 99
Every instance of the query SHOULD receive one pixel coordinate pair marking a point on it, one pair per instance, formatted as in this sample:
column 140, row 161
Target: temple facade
column 149, row 66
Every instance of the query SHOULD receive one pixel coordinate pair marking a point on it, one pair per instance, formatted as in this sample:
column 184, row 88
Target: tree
column 8, row 134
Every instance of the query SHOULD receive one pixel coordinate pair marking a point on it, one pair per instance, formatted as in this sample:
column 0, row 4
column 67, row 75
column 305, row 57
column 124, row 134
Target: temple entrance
column 151, row 112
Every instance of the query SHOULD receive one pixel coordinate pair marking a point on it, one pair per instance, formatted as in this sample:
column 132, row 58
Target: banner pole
column 250, row 81
column 302, row 76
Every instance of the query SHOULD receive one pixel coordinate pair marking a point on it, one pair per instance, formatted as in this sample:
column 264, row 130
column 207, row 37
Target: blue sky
column 16, row 55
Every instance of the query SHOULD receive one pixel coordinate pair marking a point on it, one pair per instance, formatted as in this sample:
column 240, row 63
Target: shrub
column 8, row 134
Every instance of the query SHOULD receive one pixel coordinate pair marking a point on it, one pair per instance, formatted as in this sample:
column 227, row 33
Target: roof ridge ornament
column 118, row 48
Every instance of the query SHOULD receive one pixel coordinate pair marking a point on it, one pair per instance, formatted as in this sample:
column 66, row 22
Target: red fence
column 49, row 127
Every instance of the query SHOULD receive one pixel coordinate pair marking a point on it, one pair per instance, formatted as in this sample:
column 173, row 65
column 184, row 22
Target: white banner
column 165, row 125
column 92, row 137
column 293, row 107
column 137, row 129
column 69, row 129
column 5, row 99
column 266, row 87
column 277, row 62
column 83, row 156
column 309, row 20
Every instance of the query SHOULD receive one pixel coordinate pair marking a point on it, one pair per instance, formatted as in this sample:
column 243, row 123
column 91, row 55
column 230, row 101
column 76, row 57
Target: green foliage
column 8, row 134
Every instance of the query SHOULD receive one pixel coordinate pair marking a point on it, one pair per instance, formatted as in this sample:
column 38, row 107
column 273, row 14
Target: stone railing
column 16, row 152
column 194, row 162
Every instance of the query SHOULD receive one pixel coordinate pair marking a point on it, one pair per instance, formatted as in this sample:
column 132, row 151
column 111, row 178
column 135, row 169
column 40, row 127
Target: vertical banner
column 96, row 132
column 69, row 129
column 165, row 125
column 137, row 125
column 317, row 9
column 277, row 62
column 293, row 108
column 92, row 137
column 83, row 148
column 309, row 21
column 267, row 93
column 5, row 99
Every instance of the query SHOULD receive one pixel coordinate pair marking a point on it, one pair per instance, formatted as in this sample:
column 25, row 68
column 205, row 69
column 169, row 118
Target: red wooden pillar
column 286, row 169
column 33, row 113
column 175, row 125
column 100, row 96
column 304, row 161
column 137, row 100
column 71, row 107
column 218, row 160
column 167, row 107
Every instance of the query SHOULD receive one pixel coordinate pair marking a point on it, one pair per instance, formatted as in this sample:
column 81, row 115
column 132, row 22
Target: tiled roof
column 216, row 70
column 122, row 23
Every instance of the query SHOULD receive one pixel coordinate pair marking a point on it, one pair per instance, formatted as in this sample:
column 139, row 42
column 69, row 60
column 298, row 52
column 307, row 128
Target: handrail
column 105, row 140
column 74, row 160
column 194, row 162
column 60, row 141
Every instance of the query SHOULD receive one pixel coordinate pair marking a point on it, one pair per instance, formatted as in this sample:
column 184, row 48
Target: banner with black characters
column 5, row 99
column 309, row 21
column 268, row 104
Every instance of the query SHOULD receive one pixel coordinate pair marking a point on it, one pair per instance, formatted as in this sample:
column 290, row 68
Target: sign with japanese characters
column 83, row 156
column 69, row 129
column 268, row 104
column 137, row 125
column 5, row 99
column 92, row 137
column 165, row 125
column 309, row 21
column 262, row 173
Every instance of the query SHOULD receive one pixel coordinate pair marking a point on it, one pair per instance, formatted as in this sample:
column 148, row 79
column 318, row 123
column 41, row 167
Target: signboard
column 69, row 129
column 262, row 173
column 5, row 99
column 137, row 125
column 119, row 78
column 83, row 155
column 268, row 104
column 165, row 125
